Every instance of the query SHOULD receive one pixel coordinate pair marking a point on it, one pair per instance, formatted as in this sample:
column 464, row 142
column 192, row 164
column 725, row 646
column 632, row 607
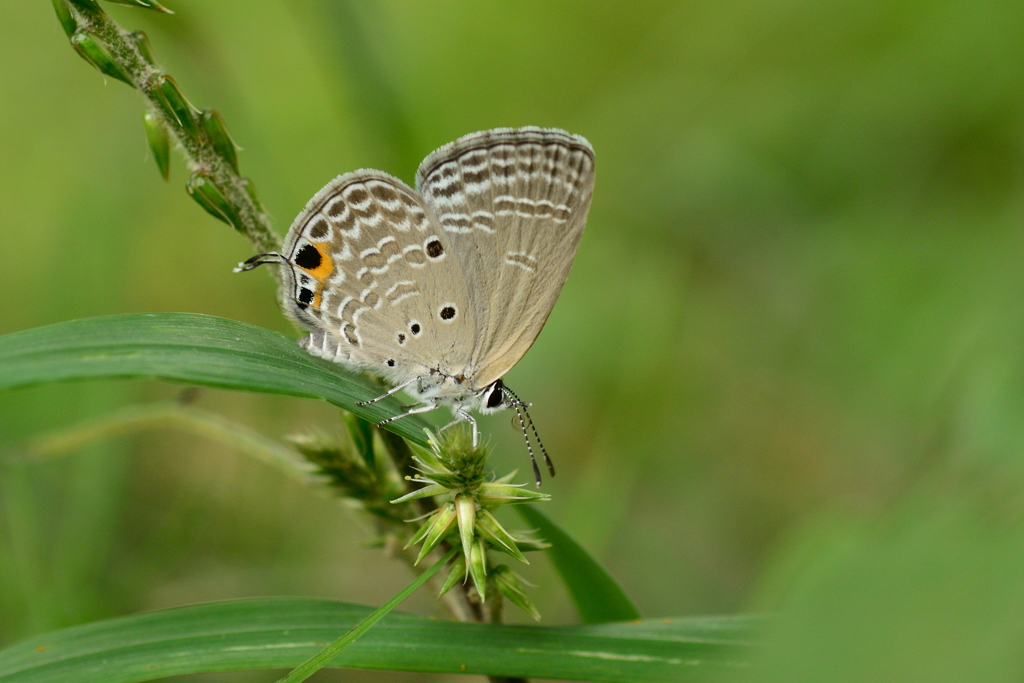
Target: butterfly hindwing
column 512, row 203
column 370, row 269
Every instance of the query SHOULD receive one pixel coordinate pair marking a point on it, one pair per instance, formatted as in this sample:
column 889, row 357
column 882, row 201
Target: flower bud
column 425, row 492
column 439, row 527
column 478, row 566
column 145, row 4
column 217, row 134
column 208, row 196
column 493, row 494
column 509, row 584
column 465, row 507
column 67, row 22
column 159, row 143
column 166, row 91
column 87, row 5
column 491, row 530
column 142, row 45
column 458, row 573
column 98, row 55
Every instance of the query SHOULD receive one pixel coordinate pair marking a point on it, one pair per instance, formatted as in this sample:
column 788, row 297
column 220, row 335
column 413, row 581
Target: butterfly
column 441, row 289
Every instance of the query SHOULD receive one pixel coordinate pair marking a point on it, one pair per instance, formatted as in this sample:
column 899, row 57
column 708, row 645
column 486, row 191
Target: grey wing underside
column 513, row 204
column 382, row 272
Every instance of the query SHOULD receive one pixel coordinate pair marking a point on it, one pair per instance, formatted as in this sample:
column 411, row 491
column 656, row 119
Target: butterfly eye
column 496, row 396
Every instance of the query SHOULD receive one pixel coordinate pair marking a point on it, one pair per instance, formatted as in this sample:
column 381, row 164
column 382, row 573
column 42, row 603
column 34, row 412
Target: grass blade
column 597, row 596
column 324, row 657
column 280, row 633
column 197, row 349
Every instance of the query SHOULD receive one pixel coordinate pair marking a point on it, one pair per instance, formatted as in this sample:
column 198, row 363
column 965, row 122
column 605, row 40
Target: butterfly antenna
column 518, row 403
column 544, row 451
column 526, row 437
column 259, row 260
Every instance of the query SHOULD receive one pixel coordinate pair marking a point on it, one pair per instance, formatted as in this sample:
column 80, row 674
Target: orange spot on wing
column 326, row 267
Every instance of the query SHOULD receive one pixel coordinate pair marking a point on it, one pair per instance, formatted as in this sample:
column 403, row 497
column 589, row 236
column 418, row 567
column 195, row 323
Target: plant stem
column 169, row 415
column 200, row 156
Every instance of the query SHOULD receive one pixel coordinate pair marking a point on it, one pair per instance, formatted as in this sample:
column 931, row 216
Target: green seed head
column 217, row 134
column 159, row 143
column 67, row 21
column 99, row 56
column 201, row 188
column 510, row 585
column 143, row 46
column 478, row 567
column 173, row 102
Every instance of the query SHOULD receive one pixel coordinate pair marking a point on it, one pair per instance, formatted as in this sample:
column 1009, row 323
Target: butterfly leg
column 463, row 415
column 452, row 424
column 389, row 393
column 425, row 408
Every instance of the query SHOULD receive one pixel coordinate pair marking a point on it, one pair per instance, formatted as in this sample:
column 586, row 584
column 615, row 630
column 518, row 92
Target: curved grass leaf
column 281, row 633
column 192, row 348
column 597, row 596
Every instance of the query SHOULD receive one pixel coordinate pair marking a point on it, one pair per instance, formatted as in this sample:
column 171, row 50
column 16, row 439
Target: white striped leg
column 426, row 408
column 389, row 393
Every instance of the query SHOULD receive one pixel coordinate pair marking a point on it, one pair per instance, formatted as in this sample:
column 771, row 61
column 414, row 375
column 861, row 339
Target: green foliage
column 325, row 656
column 797, row 299
column 598, row 598
column 282, row 632
column 189, row 348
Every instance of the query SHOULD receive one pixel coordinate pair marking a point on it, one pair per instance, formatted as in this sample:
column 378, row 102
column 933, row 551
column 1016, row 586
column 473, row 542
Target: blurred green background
column 785, row 373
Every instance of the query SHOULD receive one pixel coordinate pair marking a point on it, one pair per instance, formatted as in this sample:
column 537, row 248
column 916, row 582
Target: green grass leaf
column 328, row 654
column 281, row 633
column 197, row 349
column 597, row 596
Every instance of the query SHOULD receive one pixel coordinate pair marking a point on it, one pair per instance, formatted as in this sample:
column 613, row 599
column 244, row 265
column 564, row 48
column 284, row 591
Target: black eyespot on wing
column 401, row 338
column 308, row 257
column 305, row 297
column 447, row 313
column 495, row 397
column 435, row 249
column 414, row 328
column 391, row 362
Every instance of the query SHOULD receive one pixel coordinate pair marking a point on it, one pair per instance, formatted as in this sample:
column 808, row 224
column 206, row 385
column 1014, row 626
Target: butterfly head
column 297, row 288
column 497, row 397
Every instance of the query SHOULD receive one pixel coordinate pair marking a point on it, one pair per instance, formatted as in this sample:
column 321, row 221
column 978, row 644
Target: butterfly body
column 443, row 288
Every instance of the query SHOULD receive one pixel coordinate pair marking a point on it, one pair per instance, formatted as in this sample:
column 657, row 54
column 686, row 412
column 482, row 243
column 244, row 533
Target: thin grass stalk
column 200, row 156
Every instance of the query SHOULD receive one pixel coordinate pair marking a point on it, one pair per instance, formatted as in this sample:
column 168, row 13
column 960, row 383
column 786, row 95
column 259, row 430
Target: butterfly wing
column 513, row 204
column 371, row 274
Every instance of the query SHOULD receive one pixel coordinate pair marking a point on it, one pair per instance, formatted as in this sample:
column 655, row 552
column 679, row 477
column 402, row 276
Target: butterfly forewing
column 372, row 271
column 512, row 204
